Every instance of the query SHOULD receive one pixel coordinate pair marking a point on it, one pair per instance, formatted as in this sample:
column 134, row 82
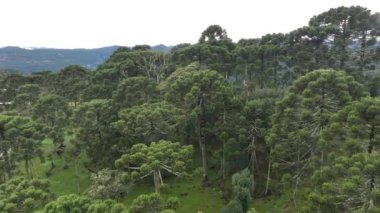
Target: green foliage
column 302, row 115
column 135, row 91
column 354, row 128
column 256, row 121
column 107, row 184
column 68, row 175
column 252, row 210
column 150, row 122
column 172, row 203
column 184, row 85
column 143, row 160
column 70, row 82
column 220, row 96
column 20, row 140
column 93, row 120
column 234, row 206
column 9, row 85
column 213, row 33
column 260, row 62
column 146, row 203
column 241, row 184
column 126, row 63
column 26, row 97
column 344, row 185
column 234, row 155
column 78, row 203
column 204, row 95
column 153, row 203
column 348, row 24
column 52, row 110
column 20, row 195
column 188, row 190
column 348, row 181
column 96, row 91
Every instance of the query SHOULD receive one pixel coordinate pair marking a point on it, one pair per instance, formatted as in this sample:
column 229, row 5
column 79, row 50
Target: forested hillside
column 282, row 123
column 37, row 59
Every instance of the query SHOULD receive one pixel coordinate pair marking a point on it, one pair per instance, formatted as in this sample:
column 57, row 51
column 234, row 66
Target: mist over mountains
column 28, row 60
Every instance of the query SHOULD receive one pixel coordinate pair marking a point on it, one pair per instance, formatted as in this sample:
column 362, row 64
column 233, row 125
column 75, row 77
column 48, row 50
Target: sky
column 99, row 23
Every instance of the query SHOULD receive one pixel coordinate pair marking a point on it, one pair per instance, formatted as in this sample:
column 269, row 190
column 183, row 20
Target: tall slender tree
column 302, row 115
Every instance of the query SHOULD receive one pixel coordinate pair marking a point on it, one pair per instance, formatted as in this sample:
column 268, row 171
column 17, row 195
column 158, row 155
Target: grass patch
column 272, row 204
column 68, row 176
column 192, row 196
column 282, row 203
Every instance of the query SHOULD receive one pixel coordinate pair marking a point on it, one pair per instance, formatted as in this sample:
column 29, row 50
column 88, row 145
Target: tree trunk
column 269, row 171
column 223, row 161
column 252, row 162
column 246, row 72
column 156, row 180
column 295, row 190
column 158, row 78
column 31, row 169
column 2, row 177
column 77, row 175
column 201, row 137
column 223, row 147
column 344, row 44
column 322, row 122
column 245, row 81
column 200, row 57
column 275, row 71
column 262, row 71
column 371, row 139
column 370, row 204
column 160, row 176
column 204, row 160
column 7, row 160
column 27, row 168
column 372, row 178
column 341, row 63
column 362, row 49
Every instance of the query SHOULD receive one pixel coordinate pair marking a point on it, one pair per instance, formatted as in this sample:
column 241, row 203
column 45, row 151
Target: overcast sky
column 98, row 23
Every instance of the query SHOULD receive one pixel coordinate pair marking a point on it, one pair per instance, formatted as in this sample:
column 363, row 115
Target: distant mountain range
column 29, row 60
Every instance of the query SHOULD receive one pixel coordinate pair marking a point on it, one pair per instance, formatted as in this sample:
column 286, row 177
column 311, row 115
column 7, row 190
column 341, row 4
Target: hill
column 28, row 60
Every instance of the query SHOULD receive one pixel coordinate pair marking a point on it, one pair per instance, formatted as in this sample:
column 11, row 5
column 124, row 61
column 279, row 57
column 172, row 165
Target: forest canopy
column 282, row 123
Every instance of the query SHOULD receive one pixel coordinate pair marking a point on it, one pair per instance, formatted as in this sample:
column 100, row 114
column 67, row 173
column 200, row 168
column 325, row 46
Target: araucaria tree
column 53, row 110
column 21, row 139
column 80, row 203
column 149, row 122
column 293, row 116
column 154, row 203
column 350, row 180
column 302, row 115
column 163, row 156
column 93, row 121
column 203, row 95
column 20, row 195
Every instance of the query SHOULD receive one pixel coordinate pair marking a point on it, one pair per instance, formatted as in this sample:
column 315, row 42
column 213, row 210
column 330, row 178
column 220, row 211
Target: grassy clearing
column 74, row 178
column 69, row 176
column 272, row 204
column 192, row 196
column 198, row 199
column 283, row 203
